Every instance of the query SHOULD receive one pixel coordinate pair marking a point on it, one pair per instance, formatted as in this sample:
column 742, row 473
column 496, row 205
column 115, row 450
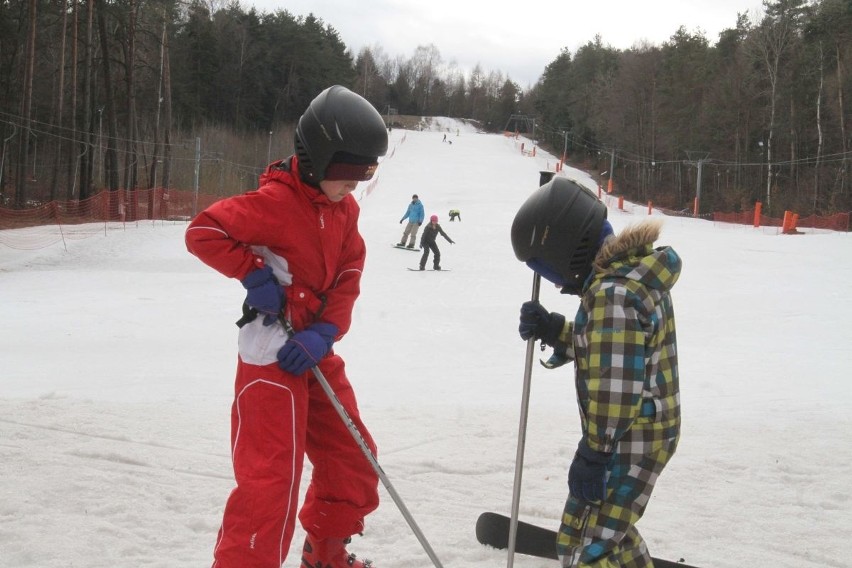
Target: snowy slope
column 117, row 360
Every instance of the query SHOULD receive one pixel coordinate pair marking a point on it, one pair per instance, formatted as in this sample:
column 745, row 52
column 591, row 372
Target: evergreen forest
column 138, row 94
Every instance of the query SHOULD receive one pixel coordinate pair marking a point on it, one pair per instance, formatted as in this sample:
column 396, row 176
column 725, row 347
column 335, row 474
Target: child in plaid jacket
column 624, row 345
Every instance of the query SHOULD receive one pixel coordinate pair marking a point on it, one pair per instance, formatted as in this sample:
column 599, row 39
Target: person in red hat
column 428, row 243
column 294, row 245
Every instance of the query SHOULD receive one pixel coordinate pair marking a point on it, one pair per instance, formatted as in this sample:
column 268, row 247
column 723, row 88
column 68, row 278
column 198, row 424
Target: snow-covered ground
column 117, row 360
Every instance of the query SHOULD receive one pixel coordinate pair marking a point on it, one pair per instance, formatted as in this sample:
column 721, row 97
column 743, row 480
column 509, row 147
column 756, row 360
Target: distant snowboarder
column 427, row 243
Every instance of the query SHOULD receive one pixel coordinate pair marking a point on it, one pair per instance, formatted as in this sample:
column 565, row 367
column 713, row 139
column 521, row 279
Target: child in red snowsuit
column 294, row 245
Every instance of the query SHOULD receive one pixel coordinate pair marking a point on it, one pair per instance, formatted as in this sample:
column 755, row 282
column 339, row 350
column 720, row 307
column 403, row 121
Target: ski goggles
column 355, row 172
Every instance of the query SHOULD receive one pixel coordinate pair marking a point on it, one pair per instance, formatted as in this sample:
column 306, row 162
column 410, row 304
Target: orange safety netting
column 43, row 225
column 836, row 222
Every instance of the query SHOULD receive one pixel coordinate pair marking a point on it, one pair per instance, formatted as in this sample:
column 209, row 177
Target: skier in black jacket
column 427, row 243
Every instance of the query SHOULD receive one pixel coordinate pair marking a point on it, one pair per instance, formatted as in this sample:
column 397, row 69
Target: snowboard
column 406, row 248
column 492, row 529
column 429, row 270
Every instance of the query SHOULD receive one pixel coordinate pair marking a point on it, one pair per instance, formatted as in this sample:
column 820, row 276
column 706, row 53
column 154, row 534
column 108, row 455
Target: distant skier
column 415, row 215
column 625, row 350
column 455, row 214
column 427, row 243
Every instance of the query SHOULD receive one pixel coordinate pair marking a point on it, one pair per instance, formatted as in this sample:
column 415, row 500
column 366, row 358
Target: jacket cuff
column 591, row 455
column 257, row 277
column 328, row 331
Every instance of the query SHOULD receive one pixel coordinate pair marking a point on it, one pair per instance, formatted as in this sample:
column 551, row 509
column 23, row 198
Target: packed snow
column 118, row 355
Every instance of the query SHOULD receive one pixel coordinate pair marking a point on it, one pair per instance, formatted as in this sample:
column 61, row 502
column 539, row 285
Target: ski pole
column 522, row 435
column 365, row 449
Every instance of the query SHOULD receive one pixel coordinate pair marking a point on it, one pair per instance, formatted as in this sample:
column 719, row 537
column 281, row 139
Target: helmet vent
column 305, row 164
column 581, row 254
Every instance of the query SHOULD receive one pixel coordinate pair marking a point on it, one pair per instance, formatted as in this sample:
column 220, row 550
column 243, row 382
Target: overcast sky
column 517, row 38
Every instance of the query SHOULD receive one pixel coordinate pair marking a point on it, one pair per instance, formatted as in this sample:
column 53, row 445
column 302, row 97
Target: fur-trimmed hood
column 630, row 254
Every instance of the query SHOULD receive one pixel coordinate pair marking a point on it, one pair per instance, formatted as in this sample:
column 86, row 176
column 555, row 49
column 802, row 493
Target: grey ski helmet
column 557, row 231
column 337, row 121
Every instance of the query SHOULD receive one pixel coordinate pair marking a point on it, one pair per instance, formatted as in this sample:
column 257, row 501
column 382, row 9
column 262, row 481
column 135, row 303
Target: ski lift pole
column 368, row 453
column 522, row 435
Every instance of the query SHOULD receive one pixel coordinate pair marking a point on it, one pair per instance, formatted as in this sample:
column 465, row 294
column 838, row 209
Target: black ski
column 429, row 270
column 492, row 529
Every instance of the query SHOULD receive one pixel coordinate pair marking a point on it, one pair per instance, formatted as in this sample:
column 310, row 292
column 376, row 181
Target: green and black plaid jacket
column 624, row 339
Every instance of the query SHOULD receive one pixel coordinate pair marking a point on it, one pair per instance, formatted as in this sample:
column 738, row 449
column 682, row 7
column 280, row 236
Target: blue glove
column 587, row 474
column 264, row 293
column 305, row 348
column 539, row 323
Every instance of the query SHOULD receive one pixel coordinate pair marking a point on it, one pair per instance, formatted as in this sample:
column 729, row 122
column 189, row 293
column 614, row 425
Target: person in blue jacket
column 415, row 216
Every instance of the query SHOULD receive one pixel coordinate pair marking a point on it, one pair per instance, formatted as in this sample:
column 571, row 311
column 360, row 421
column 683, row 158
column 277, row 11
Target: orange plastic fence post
column 695, row 207
column 609, row 186
column 650, row 207
column 794, row 222
column 757, row 206
column 785, row 224
column 621, row 202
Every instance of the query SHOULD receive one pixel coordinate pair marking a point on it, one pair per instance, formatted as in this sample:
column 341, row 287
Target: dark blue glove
column 264, row 292
column 587, row 475
column 305, row 348
column 539, row 323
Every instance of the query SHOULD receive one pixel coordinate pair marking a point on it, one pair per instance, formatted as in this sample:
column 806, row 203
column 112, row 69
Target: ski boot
column 330, row 553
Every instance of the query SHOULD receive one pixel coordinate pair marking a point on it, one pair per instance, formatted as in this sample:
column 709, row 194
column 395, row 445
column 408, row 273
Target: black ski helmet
column 559, row 226
column 337, row 120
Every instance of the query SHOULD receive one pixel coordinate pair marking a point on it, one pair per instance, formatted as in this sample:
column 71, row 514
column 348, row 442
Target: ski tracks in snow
column 99, row 477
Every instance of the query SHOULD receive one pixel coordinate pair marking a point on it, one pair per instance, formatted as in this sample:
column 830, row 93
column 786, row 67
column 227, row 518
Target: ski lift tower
column 697, row 159
column 516, row 121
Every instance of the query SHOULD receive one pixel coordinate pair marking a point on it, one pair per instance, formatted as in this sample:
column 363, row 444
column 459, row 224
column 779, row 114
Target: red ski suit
column 317, row 254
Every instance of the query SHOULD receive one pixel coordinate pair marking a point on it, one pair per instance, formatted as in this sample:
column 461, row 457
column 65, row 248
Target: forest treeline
column 158, row 93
